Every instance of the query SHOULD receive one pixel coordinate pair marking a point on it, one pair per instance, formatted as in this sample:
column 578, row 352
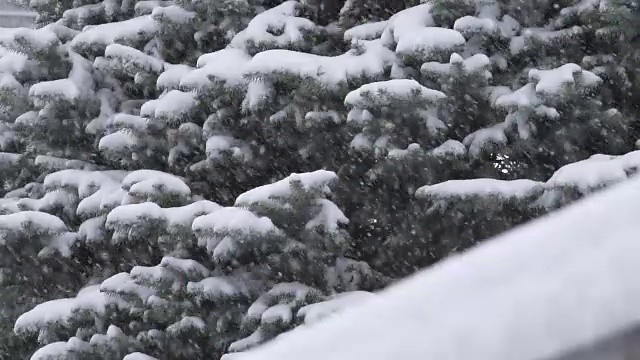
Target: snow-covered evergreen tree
column 136, row 138
column 230, row 278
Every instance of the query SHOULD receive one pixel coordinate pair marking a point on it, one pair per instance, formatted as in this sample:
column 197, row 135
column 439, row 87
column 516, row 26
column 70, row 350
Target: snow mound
column 387, row 93
column 482, row 187
column 319, row 179
column 144, row 182
column 595, row 172
column 61, row 311
column 426, row 42
column 371, row 62
column 124, row 32
column 232, row 219
column 226, row 66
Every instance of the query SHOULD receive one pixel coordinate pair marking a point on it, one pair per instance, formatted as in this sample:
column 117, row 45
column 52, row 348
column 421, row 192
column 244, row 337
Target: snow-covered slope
column 542, row 291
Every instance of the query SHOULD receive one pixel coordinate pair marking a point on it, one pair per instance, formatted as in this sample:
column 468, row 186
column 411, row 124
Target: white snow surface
column 232, row 219
column 316, row 312
column 330, row 71
column 175, row 104
column 153, row 181
column 539, row 291
column 40, row 222
column 214, row 288
column 450, row 147
column 282, row 17
column 483, row 187
column 61, row 310
column 405, row 22
column 133, row 213
column 170, row 78
column 226, row 65
column 383, row 93
column 473, row 63
column 184, row 215
column 120, row 140
column 116, row 32
column 56, row 350
column 134, row 57
column 552, row 81
column 319, row 179
column 428, row 40
column 138, row 356
column 366, row 31
column 596, row 171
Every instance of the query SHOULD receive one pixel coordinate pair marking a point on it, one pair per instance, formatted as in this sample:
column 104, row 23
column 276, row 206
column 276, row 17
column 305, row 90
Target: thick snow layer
column 187, row 323
column 404, row 23
column 184, row 215
column 65, row 178
column 39, row 222
column 451, row 148
column 482, row 187
column 489, row 25
column 123, row 283
column 170, row 78
column 131, row 122
column 148, row 109
column 384, row 93
column 330, row 71
column 279, row 313
column 232, row 219
column 479, row 140
column 430, row 40
column 552, row 81
column 56, row 350
column 92, row 230
column 597, row 171
column 175, row 104
column 366, row 31
column 132, row 213
column 60, row 311
column 189, row 267
column 103, row 200
column 138, row 356
column 134, row 57
column 281, row 17
column 173, row 13
column 523, row 99
column 559, row 283
column 82, row 14
column 53, row 163
column 226, row 66
column 118, row 141
column 153, row 181
column 477, row 62
column 411, row 149
column 62, row 88
column 116, row 32
column 13, row 63
column 318, row 179
column 215, row 288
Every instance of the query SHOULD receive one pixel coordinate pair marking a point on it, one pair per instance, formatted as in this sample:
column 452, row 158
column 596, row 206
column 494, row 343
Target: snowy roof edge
column 543, row 290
